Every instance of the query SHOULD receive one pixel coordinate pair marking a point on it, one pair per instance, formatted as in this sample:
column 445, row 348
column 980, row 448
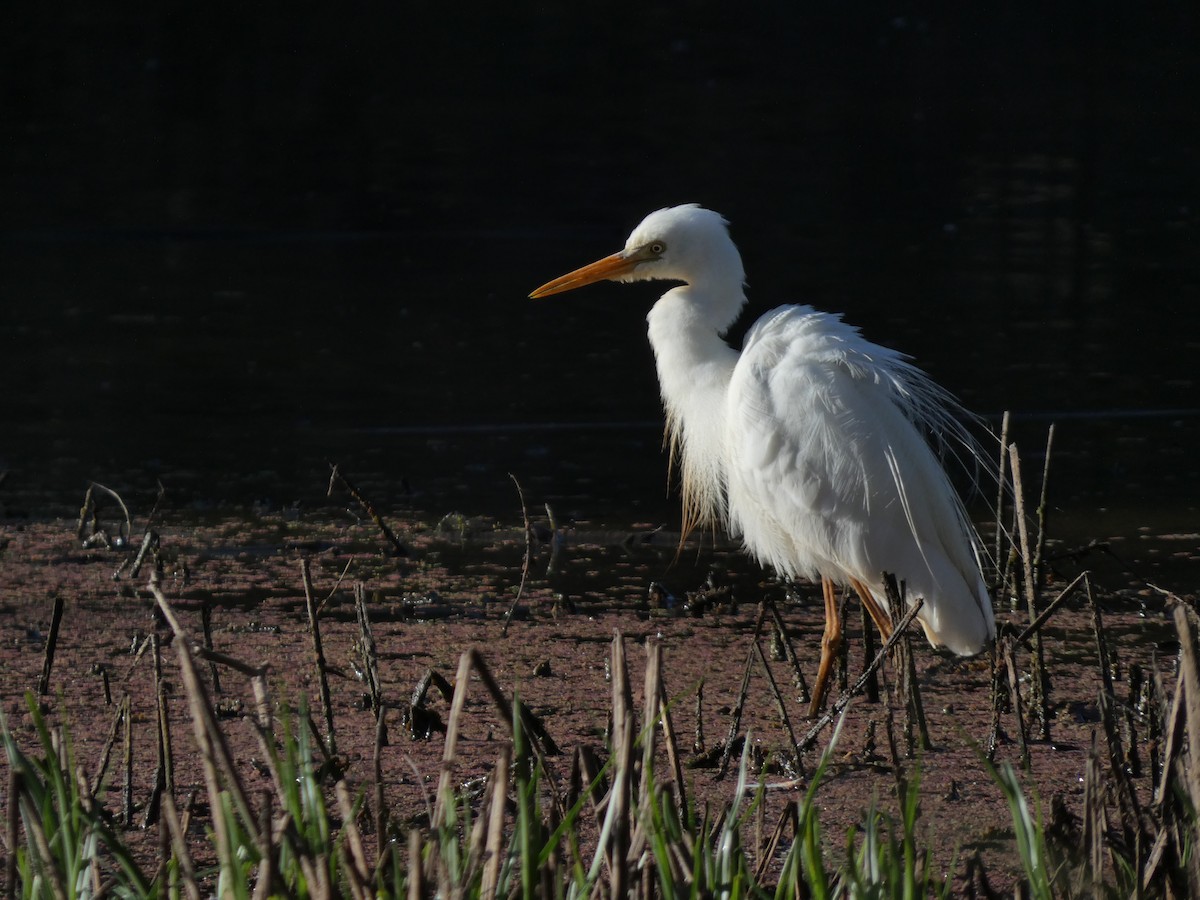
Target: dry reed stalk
column 210, row 740
column 868, row 641
column 651, row 696
column 445, row 791
column 670, row 742
column 844, row 700
column 1039, row 678
column 416, row 874
column 51, row 645
column 358, row 873
column 10, row 833
column 164, row 777
column 369, row 658
column 336, row 477
column 1036, row 626
column 735, row 717
column 620, row 794
column 1043, row 508
column 381, row 809
column 37, row 834
column 127, row 790
column 796, row 766
column 528, row 557
column 540, row 739
column 494, row 843
column 1014, row 693
column 994, row 669
column 1095, row 820
column 318, row 653
column 735, row 722
column 266, row 875
column 187, row 870
column 906, row 687
column 842, row 668
column 1190, row 682
column 802, row 696
column 789, row 819
column 206, row 629
column 1004, row 423
column 107, row 748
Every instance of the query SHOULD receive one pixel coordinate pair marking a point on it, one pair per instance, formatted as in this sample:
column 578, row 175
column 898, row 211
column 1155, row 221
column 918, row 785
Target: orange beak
column 611, row 267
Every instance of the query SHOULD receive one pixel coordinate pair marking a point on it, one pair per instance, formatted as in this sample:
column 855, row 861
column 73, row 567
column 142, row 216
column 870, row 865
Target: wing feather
column 830, row 471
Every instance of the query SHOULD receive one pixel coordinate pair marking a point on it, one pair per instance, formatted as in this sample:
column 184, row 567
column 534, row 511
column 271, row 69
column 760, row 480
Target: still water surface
column 232, row 254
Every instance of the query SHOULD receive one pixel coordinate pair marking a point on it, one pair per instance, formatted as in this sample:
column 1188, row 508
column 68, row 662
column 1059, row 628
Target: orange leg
column 882, row 620
column 831, row 642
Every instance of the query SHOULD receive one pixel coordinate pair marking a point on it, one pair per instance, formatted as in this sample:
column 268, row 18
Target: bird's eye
column 657, row 248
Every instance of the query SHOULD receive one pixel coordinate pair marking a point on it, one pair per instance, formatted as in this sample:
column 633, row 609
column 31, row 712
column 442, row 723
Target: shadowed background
column 236, row 243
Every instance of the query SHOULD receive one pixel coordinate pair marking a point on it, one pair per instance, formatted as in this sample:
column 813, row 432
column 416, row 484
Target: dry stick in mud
column 106, row 751
column 528, row 555
column 336, row 477
column 789, row 651
column 318, row 654
column 868, row 644
column 735, row 719
column 1039, row 679
column 177, row 830
column 534, row 729
column 210, row 740
column 90, row 510
column 842, row 701
column 206, row 629
column 444, row 798
column 162, row 741
column 381, row 810
column 796, row 762
column 1014, row 693
column 51, row 646
column 150, row 540
column 673, row 756
column 14, row 818
column 127, row 789
column 1001, row 469
column 620, row 794
column 1043, row 510
column 494, row 848
column 906, row 670
column 1036, row 626
column 369, row 656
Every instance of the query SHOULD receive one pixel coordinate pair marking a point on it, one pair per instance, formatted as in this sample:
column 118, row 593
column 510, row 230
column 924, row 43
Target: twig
column 528, row 554
column 335, row 476
column 51, row 646
column 210, row 740
column 735, row 721
column 842, row 701
column 318, row 652
column 1004, row 422
column 445, row 797
column 1043, row 508
column 789, row 651
column 1039, row 678
column 1014, row 693
column 206, row 630
column 1035, row 626
column 782, row 707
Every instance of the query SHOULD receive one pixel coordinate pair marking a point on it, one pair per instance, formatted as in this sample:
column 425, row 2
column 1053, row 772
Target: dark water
column 234, row 245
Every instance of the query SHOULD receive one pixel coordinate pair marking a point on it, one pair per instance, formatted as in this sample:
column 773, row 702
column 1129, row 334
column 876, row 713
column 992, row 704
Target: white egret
column 811, row 443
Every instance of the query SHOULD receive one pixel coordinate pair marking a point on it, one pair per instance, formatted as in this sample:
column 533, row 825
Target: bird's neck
column 694, row 367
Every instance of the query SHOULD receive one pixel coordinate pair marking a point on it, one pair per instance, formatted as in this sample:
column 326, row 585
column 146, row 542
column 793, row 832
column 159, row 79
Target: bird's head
column 680, row 243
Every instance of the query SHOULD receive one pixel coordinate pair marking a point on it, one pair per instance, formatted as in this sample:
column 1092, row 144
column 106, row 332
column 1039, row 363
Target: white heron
column 812, row 443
